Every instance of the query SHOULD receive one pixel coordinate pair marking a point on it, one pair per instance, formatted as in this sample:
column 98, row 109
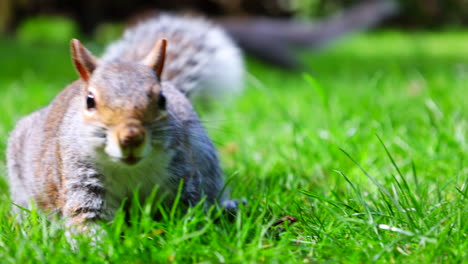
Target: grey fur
column 56, row 158
column 202, row 59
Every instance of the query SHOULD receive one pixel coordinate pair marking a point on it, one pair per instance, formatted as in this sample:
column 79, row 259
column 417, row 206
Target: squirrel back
column 202, row 60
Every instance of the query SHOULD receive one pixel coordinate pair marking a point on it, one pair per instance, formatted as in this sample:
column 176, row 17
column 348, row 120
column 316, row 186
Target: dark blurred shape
column 90, row 13
column 264, row 28
column 273, row 40
column 432, row 14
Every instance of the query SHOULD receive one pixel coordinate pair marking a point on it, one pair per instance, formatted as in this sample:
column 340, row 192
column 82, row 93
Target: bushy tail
column 201, row 59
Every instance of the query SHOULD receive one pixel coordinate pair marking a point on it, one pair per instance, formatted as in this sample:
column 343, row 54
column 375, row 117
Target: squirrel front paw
column 233, row 204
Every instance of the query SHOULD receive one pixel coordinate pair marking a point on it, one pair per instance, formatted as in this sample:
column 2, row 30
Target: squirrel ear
column 155, row 59
column 84, row 61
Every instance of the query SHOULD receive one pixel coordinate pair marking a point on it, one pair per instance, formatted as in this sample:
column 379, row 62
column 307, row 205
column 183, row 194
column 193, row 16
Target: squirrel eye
column 90, row 103
column 162, row 101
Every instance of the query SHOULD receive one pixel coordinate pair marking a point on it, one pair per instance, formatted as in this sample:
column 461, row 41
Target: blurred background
column 321, row 21
column 90, row 13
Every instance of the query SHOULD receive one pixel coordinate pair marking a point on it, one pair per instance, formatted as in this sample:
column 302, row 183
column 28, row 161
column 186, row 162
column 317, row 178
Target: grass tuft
column 297, row 146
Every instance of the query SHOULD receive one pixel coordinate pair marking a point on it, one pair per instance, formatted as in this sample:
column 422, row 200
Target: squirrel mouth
column 130, row 160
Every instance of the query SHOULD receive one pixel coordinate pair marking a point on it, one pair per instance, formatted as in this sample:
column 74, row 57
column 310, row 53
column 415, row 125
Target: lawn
column 366, row 149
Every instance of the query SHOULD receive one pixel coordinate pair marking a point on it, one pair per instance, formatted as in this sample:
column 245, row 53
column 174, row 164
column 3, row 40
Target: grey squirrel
column 127, row 124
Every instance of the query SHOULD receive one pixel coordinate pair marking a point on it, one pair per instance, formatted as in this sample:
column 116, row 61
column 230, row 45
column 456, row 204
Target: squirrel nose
column 132, row 135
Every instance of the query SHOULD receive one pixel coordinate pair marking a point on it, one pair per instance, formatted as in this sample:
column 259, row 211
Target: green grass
column 368, row 150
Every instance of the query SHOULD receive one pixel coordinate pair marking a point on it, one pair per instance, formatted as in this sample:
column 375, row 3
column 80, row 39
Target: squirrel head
column 122, row 100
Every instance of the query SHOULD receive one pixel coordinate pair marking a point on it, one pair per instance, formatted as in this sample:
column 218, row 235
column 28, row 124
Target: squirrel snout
column 131, row 135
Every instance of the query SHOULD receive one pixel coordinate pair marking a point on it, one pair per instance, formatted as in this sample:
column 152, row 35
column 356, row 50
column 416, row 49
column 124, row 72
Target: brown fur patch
column 45, row 171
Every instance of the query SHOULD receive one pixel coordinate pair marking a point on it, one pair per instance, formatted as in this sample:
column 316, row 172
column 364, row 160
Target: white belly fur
column 121, row 181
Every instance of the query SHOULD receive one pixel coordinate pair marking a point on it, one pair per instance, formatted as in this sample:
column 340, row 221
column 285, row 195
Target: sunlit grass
column 366, row 149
